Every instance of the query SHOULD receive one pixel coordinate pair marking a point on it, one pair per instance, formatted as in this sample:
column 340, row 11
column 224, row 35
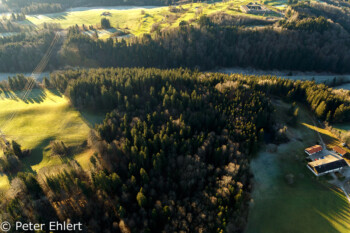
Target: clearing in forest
column 44, row 117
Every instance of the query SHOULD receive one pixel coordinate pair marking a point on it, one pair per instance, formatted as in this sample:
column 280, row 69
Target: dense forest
column 23, row 52
column 312, row 37
column 171, row 155
column 327, row 104
column 211, row 47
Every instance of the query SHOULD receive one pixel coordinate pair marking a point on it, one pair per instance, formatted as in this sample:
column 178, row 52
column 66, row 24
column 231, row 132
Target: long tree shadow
column 28, row 23
column 37, row 95
column 55, row 92
column 93, row 118
column 339, row 214
column 37, row 154
column 89, row 117
column 60, row 16
column 9, row 95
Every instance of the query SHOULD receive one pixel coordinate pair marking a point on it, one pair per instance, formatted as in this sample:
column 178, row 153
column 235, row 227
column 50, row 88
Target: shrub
column 105, row 23
column 59, row 148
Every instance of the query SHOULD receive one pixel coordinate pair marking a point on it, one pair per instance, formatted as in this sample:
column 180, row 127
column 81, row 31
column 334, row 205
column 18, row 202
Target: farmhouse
column 254, row 8
column 339, row 150
column 314, row 149
column 106, row 13
column 328, row 164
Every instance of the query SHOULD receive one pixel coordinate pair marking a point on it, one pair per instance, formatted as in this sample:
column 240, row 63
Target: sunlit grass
column 140, row 20
column 84, row 159
column 329, row 138
column 4, row 182
column 42, row 119
column 320, row 130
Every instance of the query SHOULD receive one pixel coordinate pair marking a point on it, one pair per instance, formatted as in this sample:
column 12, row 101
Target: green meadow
column 4, row 182
column 138, row 21
column 309, row 204
column 44, row 117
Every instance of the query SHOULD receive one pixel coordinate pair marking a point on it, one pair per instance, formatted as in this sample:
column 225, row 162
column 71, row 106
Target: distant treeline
column 23, row 52
column 40, row 8
column 336, row 11
column 306, row 40
column 211, row 46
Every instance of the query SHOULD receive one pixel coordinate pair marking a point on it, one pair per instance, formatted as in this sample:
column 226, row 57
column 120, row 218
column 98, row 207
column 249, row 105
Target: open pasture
column 138, row 20
column 44, row 117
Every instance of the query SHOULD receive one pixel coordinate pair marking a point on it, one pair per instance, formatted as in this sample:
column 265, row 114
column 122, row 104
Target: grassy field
column 45, row 117
column 307, row 205
column 4, row 182
column 137, row 20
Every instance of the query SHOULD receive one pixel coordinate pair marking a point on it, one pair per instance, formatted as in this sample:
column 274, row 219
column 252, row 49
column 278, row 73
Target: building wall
column 324, row 173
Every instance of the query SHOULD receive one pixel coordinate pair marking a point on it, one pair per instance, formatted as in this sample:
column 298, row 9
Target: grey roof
column 331, row 166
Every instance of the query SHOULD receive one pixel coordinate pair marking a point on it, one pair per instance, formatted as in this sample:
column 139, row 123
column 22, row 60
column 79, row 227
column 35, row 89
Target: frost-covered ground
column 295, row 75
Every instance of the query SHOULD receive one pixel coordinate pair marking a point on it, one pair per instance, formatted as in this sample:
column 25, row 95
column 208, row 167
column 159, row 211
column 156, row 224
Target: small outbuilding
column 106, row 13
column 328, row 164
column 340, row 151
column 314, row 149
